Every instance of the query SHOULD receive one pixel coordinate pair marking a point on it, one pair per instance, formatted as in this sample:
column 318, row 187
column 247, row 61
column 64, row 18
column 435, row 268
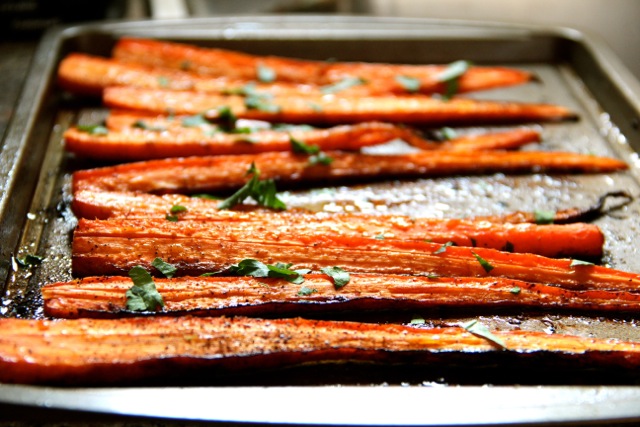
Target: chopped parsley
column 339, row 276
column 195, row 121
column 264, row 192
column 168, row 270
column 477, row 328
column 443, row 248
column 266, row 74
column 261, row 103
column 163, row 81
column 320, row 159
column 226, row 118
column 450, row 76
column 29, row 260
column 177, row 209
column 343, row 84
column 255, row 268
column 300, row 147
column 93, row 129
column 515, row 290
column 143, row 295
column 544, row 216
column 483, row 262
column 306, row 291
column 417, row 320
column 410, row 84
column 141, row 124
column 578, row 263
column 448, row 133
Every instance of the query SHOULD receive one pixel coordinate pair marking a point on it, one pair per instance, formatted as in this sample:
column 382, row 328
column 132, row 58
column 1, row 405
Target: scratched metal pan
column 573, row 70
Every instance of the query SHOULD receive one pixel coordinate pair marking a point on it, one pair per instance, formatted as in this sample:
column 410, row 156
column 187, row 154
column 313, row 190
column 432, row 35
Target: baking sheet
column 573, row 71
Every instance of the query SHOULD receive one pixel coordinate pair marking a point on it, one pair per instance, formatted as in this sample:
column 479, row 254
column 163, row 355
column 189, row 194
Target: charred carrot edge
column 104, row 297
column 91, row 351
column 154, row 141
column 583, row 241
column 219, row 62
column 325, row 110
column 113, row 247
column 214, row 173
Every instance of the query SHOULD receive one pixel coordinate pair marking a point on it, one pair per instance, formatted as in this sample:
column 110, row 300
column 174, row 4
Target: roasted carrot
column 237, row 65
column 113, row 247
column 215, row 173
column 92, row 352
column 334, row 109
column 104, row 297
column 505, row 140
column 584, row 241
column 151, row 140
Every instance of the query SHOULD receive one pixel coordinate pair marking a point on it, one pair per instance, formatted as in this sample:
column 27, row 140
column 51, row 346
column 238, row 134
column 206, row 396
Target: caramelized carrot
column 584, row 241
column 334, row 110
column 150, row 139
column 215, row 296
column 237, row 65
column 215, row 173
column 113, row 247
column 505, row 140
column 90, row 351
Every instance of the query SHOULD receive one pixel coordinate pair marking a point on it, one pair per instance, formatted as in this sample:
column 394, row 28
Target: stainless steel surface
column 574, row 71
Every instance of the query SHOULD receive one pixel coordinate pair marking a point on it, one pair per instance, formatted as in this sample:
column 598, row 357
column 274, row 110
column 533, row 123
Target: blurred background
column 616, row 21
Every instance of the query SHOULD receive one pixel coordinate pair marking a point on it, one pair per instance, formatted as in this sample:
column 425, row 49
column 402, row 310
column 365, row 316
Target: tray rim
column 488, row 405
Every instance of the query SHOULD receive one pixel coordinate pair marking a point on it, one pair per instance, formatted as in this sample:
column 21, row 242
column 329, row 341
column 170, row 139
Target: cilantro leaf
column 266, row 74
column 226, row 118
column 261, row 103
column 177, row 209
column 578, row 263
column 448, row 133
column 143, row 295
column 443, row 248
column 417, row 320
column 168, row 270
column 195, row 121
column 29, row 260
column 477, row 328
column 483, row 262
column 339, row 276
column 320, row 159
column 141, row 124
column 255, row 268
column 300, row 147
column 410, row 84
column 264, row 192
column 306, row 291
column 93, row 129
column 515, row 290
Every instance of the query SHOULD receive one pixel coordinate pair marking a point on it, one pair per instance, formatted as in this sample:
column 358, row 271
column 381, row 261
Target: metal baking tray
column 574, row 70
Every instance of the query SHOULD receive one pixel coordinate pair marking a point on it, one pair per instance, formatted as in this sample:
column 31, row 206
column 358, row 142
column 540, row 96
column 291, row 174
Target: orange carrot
column 333, row 110
column 163, row 349
column 154, row 139
column 215, row 173
column 249, row 296
column 112, row 247
column 237, row 65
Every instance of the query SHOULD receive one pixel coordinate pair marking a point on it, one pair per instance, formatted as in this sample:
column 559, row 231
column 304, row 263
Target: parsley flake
column 29, row 260
column 320, row 159
column 544, row 217
column 93, row 129
column 339, row 276
column 306, row 291
column 410, row 84
column 417, row 320
column 443, row 248
column 578, row 263
column 448, row 133
column 141, row 124
column 483, row 262
column 264, row 192
column 450, row 76
column 143, row 295
column 265, row 74
column 478, row 329
column 177, row 209
column 194, row 121
column 261, row 103
column 168, row 270
column 300, row 147
column 515, row 290
column 255, row 268
column 163, row 81
column 343, row 84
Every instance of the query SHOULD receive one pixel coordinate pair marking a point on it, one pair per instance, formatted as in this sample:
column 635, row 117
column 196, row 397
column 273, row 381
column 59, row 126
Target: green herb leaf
column 195, row 121
column 93, row 129
column 171, row 218
column 320, row 159
column 177, row 209
column 254, row 268
column 448, row 133
column 343, row 84
column 29, row 260
column 163, row 81
column 141, row 124
column 544, row 217
column 515, row 290
column 451, row 76
column 477, row 328
column 410, row 84
column 315, row 107
column 168, row 270
column 578, row 263
column 206, row 196
column 261, row 103
column 143, row 295
column 263, row 192
column 306, row 291
column 339, row 276
column 266, row 74
column 300, row 147
column 226, row 118
column 483, row 262
column 443, row 248
column 379, row 236
column 417, row 320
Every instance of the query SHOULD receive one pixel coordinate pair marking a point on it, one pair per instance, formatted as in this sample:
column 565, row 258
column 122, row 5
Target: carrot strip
column 90, row 351
column 214, row 173
column 505, row 140
column 113, row 247
column 584, row 241
column 334, row 110
column 237, row 65
column 152, row 140
column 206, row 296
